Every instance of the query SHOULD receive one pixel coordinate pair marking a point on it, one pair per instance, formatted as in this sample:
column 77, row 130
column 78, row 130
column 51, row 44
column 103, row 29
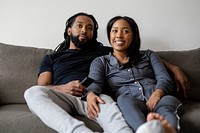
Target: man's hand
column 92, row 105
column 181, row 80
column 73, row 88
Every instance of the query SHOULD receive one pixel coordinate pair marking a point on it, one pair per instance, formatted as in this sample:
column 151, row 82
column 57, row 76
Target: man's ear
column 69, row 30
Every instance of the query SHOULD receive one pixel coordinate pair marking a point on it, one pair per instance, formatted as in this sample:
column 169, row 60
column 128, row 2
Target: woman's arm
column 92, row 98
column 180, row 78
column 162, row 77
column 97, row 73
column 164, row 84
column 154, row 99
column 92, row 104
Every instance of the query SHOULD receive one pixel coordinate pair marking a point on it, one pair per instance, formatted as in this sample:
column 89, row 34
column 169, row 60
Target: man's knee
column 106, row 98
column 34, row 91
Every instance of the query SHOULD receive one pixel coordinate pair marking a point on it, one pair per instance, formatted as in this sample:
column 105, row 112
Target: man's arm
column 45, row 78
column 180, row 78
column 73, row 87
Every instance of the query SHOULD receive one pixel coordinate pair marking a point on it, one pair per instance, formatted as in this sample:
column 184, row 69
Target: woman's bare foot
column 167, row 126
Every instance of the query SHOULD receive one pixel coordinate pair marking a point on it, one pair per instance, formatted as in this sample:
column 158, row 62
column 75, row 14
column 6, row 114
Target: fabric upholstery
column 18, row 71
column 189, row 62
column 18, row 117
column 189, row 121
column 19, row 67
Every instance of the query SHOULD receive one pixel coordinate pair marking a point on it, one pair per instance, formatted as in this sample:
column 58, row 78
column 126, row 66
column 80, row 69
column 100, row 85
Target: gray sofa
column 18, row 71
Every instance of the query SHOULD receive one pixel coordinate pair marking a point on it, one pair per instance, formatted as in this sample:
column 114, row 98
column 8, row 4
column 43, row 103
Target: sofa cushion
column 189, row 62
column 189, row 121
column 18, row 71
column 17, row 118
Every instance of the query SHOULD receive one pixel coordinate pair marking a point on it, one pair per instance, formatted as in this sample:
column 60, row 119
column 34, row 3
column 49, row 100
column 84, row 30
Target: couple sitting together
column 137, row 79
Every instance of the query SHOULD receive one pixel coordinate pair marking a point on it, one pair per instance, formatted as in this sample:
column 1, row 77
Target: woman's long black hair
column 134, row 48
column 65, row 44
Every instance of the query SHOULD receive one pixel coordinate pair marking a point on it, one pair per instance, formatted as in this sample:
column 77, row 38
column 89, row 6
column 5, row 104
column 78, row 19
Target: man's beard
column 80, row 44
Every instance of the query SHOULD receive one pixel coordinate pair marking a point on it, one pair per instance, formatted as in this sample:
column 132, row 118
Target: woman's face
column 121, row 35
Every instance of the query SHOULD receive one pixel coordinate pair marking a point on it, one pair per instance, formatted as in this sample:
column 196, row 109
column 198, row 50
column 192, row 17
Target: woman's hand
column 154, row 99
column 92, row 105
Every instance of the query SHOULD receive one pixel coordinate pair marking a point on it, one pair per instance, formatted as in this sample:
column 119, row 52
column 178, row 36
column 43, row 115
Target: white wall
column 164, row 24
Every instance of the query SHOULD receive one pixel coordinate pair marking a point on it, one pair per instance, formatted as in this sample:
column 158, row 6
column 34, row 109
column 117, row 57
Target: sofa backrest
column 19, row 67
column 189, row 62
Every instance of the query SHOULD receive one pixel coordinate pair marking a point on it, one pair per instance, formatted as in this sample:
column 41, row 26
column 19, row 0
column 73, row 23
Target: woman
column 138, row 79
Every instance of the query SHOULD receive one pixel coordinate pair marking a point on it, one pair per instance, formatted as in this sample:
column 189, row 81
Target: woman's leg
column 167, row 107
column 110, row 117
column 133, row 110
column 156, row 123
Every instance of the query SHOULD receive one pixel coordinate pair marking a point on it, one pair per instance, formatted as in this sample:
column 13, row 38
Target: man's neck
column 72, row 46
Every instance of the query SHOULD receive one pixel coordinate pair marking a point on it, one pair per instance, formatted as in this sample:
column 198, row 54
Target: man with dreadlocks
column 56, row 98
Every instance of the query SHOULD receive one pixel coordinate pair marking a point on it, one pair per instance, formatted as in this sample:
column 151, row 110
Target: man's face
column 81, row 32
